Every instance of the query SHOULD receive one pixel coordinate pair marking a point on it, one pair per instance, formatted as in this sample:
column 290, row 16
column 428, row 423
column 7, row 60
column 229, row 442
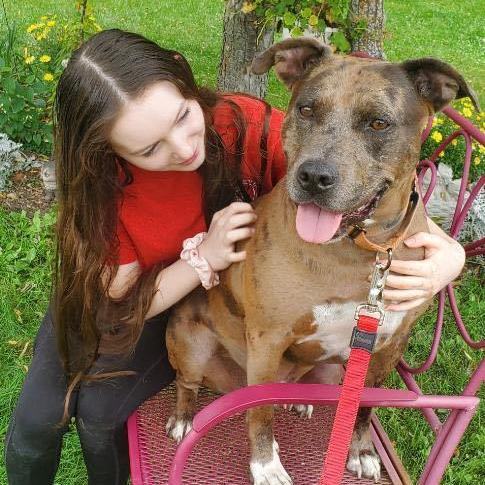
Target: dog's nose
column 316, row 177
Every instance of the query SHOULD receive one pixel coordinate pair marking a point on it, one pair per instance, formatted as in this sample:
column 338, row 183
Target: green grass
column 451, row 31
column 448, row 30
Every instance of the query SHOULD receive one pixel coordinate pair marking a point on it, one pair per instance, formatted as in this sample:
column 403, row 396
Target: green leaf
column 340, row 42
column 37, row 139
column 9, row 84
column 18, row 105
column 289, row 19
column 313, row 20
column 306, row 12
column 39, row 102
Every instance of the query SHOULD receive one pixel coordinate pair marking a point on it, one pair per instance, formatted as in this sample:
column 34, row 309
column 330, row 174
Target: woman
column 146, row 160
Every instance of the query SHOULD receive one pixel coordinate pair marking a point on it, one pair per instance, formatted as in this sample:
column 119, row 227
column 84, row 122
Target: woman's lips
column 191, row 159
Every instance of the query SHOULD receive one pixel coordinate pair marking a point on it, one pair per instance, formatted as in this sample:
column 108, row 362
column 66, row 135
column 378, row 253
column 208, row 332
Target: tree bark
column 372, row 40
column 244, row 37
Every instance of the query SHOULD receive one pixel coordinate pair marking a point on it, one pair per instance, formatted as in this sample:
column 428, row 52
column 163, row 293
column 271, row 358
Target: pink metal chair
column 216, row 450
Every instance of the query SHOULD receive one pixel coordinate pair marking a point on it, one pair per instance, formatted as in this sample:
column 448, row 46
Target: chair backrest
column 471, row 134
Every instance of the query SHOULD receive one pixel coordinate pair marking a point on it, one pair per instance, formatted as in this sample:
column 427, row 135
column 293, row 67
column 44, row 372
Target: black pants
column 34, row 440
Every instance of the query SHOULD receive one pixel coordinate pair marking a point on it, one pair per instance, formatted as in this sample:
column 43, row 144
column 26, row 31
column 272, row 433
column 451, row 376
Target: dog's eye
column 379, row 125
column 306, row 111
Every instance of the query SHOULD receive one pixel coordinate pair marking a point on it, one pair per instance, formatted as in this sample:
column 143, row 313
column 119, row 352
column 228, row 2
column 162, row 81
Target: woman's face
column 160, row 130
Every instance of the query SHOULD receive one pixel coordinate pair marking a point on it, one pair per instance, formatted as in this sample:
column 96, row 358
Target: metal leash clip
column 374, row 299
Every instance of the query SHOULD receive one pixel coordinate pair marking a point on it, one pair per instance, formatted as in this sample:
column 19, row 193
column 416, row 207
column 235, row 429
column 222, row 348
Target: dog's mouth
column 317, row 225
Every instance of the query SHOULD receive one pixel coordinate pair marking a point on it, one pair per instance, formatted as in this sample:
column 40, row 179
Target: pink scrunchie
column 190, row 253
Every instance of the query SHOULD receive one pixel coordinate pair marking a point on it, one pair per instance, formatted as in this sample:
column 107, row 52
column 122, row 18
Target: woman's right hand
column 228, row 226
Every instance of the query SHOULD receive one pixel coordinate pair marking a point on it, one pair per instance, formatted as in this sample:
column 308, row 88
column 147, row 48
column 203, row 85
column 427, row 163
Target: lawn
column 449, row 30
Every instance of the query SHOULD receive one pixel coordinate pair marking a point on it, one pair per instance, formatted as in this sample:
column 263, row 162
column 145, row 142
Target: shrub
column 453, row 154
column 30, row 71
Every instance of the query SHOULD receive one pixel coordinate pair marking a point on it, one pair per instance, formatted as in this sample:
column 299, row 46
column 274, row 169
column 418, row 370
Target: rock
column 18, row 177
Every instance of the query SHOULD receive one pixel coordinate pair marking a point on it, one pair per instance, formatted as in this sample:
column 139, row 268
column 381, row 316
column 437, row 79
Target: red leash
column 362, row 344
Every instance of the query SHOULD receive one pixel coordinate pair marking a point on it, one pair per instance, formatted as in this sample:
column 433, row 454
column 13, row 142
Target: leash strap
column 362, row 344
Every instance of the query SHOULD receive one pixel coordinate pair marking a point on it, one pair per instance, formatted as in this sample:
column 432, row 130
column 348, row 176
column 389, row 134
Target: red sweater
column 161, row 209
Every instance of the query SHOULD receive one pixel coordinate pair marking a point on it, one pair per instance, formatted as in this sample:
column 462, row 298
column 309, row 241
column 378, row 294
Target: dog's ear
column 291, row 58
column 438, row 82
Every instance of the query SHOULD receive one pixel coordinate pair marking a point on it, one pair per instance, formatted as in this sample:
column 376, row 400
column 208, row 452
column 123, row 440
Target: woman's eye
column 379, row 125
column 149, row 152
column 185, row 114
column 306, row 111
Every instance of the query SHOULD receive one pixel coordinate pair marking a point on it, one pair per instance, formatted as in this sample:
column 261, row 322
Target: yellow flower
column 454, row 142
column 467, row 112
column 29, row 59
column 481, row 149
column 442, row 154
column 436, row 136
column 44, row 58
column 476, row 160
column 32, row 27
column 51, row 23
column 248, row 7
column 41, row 36
column 48, row 76
column 44, row 18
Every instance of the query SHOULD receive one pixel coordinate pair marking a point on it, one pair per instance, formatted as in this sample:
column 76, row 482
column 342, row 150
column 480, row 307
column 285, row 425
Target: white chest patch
column 335, row 323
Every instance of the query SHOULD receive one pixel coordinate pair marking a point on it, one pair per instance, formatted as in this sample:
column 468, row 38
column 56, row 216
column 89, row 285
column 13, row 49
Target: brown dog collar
column 358, row 234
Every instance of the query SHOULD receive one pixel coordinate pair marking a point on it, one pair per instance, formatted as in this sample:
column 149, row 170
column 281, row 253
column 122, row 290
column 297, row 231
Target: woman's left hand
column 411, row 283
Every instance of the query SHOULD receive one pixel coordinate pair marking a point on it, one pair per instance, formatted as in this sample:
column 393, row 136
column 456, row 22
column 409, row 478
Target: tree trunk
column 372, row 40
column 242, row 41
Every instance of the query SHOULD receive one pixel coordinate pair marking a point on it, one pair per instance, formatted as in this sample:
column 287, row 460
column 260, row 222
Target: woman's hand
column 228, row 226
column 411, row 283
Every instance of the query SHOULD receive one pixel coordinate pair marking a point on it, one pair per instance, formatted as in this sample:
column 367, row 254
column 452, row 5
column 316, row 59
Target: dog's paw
column 177, row 428
column 303, row 410
column 271, row 472
column 365, row 464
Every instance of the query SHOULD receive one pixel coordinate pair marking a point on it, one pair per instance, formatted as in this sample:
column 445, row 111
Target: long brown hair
column 110, row 69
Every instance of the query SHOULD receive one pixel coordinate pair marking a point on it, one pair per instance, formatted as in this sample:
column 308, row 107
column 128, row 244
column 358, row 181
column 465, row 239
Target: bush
column 30, row 71
column 453, row 155
column 315, row 15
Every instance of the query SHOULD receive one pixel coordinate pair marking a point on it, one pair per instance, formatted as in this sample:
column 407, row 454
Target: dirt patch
column 25, row 193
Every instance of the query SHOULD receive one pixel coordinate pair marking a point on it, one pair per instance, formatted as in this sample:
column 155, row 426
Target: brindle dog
column 352, row 141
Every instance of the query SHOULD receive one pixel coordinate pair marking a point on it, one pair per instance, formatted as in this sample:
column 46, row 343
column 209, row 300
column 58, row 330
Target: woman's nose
column 181, row 148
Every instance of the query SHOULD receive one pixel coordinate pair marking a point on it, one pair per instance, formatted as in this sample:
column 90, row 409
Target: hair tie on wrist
column 190, row 254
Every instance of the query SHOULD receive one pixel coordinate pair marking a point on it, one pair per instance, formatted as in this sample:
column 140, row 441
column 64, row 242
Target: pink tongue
column 316, row 225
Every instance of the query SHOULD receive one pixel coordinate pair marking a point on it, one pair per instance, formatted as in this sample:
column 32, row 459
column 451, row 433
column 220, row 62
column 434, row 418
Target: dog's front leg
column 263, row 360
column 363, row 459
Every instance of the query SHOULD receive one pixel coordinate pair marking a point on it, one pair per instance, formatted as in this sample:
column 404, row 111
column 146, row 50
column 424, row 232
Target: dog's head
column 352, row 129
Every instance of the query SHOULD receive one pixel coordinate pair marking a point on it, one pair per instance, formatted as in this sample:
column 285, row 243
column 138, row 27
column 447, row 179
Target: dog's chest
column 334, row 323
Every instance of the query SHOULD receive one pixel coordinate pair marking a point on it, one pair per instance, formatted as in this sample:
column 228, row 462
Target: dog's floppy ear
column 438, row 82
column 291, row 58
